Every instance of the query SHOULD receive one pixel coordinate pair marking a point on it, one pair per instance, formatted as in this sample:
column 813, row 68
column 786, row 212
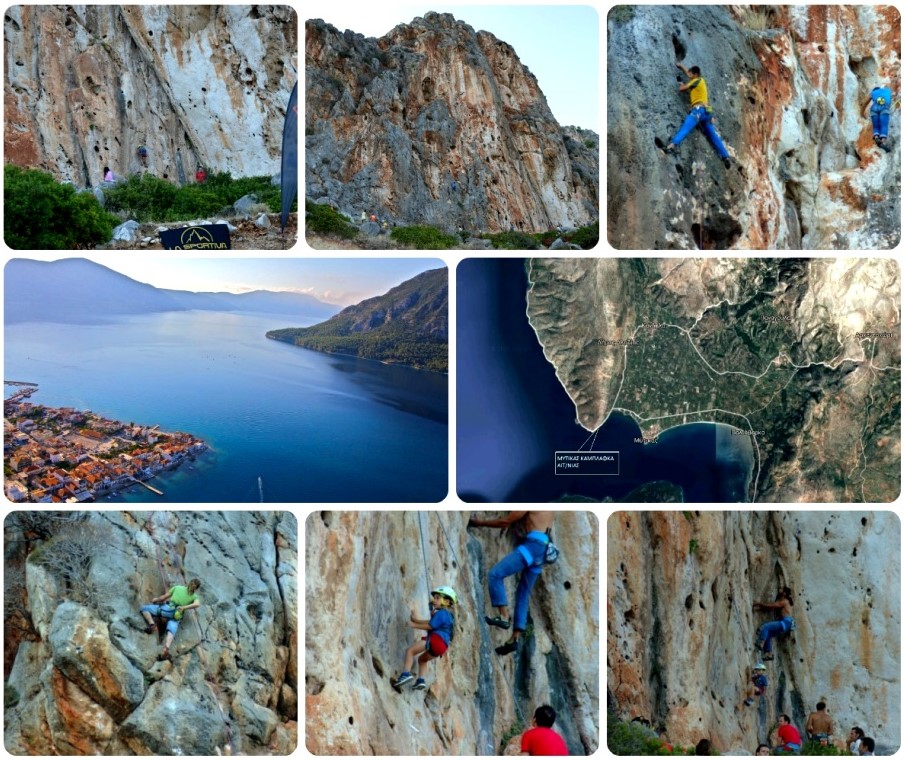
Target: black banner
column 203, row 237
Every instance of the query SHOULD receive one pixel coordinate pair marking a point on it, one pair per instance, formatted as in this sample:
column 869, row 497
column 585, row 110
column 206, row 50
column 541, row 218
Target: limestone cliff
column 82, row 678
column 681, row 630
column 788, row 85
column 366, row 570
column 435, row 123
column 87, row 85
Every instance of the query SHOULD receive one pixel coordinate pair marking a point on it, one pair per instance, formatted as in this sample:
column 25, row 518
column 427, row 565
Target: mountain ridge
column 408, row 325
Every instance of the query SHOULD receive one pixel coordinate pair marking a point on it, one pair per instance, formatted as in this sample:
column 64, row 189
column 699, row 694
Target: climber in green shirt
column 171, row 606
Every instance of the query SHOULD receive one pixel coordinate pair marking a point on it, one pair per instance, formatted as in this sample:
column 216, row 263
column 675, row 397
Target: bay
column 313, row 427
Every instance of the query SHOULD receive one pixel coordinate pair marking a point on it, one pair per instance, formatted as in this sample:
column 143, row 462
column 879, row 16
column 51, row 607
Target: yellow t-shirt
column 697, row 91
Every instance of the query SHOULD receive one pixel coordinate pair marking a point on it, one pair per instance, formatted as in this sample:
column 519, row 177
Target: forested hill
column 407, row 325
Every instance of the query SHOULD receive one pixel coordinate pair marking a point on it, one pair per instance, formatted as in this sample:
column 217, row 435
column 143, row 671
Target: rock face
column 680, row 626
column 365, row 571
column 87, row 85
column 436, row 123
column 788, row 85
column 81, row 670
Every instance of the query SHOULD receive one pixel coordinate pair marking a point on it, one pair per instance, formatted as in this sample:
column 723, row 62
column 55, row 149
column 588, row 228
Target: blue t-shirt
column 441, row 623
column 881, row 97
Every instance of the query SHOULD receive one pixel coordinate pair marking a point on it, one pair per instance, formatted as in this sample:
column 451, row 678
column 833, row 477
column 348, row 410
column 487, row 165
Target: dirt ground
column 246, row 237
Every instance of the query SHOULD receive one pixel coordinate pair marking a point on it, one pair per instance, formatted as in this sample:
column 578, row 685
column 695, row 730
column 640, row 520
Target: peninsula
column 407, row 325
column 63, row 455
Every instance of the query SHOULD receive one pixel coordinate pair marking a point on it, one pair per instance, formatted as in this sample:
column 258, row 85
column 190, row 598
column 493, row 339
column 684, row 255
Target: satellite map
column 667, row 380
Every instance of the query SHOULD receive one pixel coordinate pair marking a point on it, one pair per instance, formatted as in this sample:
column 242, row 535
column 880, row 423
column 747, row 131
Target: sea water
column 313, row 427
column 513, row 414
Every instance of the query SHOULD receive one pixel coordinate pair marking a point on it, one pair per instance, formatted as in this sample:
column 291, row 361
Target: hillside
column 435, row 123
column 407, row 325
column 81, row 674
column 788, row 86
column 365, row 571
column 60, row 291
column 681, row 623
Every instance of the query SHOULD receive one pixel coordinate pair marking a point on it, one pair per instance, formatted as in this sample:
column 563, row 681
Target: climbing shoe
column 508, row 647
column 768, row 655
column 726, row 162
column 498, row 622
column 749, row 701
column 419, row 685
column 164, row 655
column 150, row 628
column 404, row 678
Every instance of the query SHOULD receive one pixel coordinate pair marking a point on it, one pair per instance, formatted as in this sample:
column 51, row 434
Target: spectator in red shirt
column 790, row 739
column 542, row 739
column 200, row 175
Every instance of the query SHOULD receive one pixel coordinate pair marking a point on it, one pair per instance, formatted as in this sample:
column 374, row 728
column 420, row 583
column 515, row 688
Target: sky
column 558, row 43
column 335, row 281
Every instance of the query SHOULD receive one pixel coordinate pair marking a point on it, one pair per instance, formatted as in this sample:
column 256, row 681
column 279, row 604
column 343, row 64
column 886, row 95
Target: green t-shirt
column 180, row 596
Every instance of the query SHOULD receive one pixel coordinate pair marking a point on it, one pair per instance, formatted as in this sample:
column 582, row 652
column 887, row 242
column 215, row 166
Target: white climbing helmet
column 760, row 666
column 446, row 591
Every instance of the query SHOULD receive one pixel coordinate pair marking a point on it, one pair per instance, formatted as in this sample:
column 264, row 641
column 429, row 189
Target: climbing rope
column 201, row 653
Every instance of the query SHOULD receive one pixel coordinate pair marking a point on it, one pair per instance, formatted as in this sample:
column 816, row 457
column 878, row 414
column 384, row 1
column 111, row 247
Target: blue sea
column 513, row 414
column 312, row 427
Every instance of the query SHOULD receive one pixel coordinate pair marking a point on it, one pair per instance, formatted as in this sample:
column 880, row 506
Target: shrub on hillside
column 43, row 214
column 513, row 241
column 322, row 218
column 424, row 238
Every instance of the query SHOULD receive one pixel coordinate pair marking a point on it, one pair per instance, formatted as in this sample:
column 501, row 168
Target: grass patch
column 322, row 218
column 513, row 241
column 423, row 238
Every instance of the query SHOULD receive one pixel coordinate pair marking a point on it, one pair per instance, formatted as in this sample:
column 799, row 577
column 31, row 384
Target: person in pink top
column 542, row 739
column 789, row 738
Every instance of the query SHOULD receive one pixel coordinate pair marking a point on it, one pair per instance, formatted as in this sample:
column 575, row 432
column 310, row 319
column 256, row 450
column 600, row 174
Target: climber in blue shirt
column 879, row 101
column 440, row 629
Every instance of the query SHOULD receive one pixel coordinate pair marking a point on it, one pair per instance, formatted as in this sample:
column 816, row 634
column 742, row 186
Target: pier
column 149, row 487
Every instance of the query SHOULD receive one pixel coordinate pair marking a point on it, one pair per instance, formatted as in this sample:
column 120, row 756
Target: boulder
column 244, row 204
column 262, row 221
column 370, row 228
column 126, row 231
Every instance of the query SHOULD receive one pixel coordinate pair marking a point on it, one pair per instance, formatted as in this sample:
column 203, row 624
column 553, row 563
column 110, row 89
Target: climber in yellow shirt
column 700, row 116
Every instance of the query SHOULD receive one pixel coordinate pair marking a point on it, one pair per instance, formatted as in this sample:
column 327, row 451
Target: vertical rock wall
column 84, row 679
column 681, row 630
column 787, row 84
column 365, row 571
column 87, row 85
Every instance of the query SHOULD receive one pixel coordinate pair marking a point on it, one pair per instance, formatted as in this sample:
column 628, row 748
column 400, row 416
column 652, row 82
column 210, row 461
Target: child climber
column 439, row 635
column 758, row 685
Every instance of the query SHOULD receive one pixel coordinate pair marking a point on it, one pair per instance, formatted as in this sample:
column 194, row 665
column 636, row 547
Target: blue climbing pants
column 768, row 631
column 698, row 117
column 511, row 564
column 165, row 611
column 880, row 118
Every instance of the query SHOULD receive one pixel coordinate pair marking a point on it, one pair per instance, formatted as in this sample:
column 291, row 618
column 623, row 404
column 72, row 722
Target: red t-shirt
column 788, row 734
column 543, row 741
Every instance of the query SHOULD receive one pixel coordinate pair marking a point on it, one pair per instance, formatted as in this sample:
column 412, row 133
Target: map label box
column 586, row 463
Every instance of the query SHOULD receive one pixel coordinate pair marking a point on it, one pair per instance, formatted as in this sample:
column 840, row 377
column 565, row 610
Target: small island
column 63, row 455
column 407, row 325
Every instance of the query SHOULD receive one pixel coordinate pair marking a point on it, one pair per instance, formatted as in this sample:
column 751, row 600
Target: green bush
column 423, row 238
column 10, row 696
column 586, row 237
column 147, row 198
column 322, row 218
column 42, row 214
column 513, row 241
column 634, row 739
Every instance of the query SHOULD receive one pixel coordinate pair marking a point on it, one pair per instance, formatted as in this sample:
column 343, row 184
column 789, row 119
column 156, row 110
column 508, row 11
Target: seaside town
column 64, row 455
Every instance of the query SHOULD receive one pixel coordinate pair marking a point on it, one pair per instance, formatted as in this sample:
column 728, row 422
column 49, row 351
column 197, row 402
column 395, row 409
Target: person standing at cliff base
column 768, row 631
column 171, row 606
column 439, row 636
column 789, row 738
column 879, row 101
column 867, row 747
column 108, row 175
column 855, row 737
column 541, row 739
column 820, row 725
column 700, row 115
column 527, row 559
